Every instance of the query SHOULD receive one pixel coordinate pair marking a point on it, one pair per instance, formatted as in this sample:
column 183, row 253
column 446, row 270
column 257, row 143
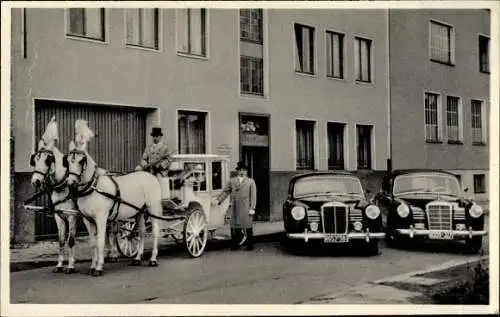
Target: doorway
column 254, row 151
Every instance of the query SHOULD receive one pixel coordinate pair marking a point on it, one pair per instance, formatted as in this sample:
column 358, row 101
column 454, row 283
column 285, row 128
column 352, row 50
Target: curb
column 213, row 245
column 367, row 293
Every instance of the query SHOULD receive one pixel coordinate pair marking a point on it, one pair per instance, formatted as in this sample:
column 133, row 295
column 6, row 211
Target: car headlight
column 372, row 212
column 298, row 213
column 476, row 211
column 403, row 210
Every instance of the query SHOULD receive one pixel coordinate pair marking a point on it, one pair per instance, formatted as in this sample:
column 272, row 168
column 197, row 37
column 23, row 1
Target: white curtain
column 132, row 16
column 94, row 23
column 306, row 59
column 365, row 60
column 336, row 55
column 182, row 30
column 148, row 27
column 330, row 54
column 196, row 31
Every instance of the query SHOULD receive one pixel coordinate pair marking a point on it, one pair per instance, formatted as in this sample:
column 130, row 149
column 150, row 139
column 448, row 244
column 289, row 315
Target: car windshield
column 327, row 185
column 418, row 183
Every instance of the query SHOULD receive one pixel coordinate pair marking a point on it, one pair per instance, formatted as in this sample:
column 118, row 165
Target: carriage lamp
column 298, row 213
column 358, row 226
column 314, row 226
column 403, row 211
column 372, row 212
column 476, row 211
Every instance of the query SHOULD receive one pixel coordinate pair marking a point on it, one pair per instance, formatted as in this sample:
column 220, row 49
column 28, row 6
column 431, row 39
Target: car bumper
column 441, row 234
column 306, row 236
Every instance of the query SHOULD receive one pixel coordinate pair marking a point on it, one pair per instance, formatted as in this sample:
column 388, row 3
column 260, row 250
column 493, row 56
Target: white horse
column 102, row 197
column 50, row 173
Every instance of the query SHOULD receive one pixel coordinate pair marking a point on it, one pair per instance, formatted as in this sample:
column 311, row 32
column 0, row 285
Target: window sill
column 362, row 82
column 143, row 48
column 479, row 193
column 342, row 79
column 479, row 144
column 484, row 72
column 85, row 38
column 455, row 142
column 442, row 62
column 252, row 95
column 433, row 142
column 194, row 56
column 252, row 41
column 312, row 75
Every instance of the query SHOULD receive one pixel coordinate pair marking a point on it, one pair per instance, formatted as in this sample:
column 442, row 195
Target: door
column 257, row 160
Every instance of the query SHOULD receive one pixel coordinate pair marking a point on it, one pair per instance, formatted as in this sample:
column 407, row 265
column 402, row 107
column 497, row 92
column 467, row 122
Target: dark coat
column 243, row 197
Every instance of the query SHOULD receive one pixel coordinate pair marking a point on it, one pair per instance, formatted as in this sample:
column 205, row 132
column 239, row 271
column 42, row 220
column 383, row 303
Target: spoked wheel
column 127, row 239
column 195, row 231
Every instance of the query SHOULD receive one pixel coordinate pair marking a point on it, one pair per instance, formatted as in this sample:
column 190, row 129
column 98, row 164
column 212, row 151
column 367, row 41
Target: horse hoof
column 153, row 263
column 70, row 270
column 91, row 271
column 136, row 262
column 97, row 273
column 58, row 269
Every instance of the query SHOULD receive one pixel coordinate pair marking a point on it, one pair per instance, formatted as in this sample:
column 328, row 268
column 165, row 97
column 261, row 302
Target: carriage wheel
column 127, row 239
column 195, row 231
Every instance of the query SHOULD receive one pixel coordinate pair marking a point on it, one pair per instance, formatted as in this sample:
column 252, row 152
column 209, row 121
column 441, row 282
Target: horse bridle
column 48, row 180
column 87, row 186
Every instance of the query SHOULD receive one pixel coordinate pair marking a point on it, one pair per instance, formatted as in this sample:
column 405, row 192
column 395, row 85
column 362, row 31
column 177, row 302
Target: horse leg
column 112, row 249
column 61, row 232
column 155, row 209
column 91, row 228
column 71, row 244
column 101, row 222
column 142, row 230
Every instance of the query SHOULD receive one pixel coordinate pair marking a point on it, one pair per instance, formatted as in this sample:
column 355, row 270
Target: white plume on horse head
column 83, row 134
column 51, row 134
column 72, row 145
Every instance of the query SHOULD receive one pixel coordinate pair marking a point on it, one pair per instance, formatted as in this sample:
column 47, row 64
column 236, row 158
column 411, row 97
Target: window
column 87, row 23
column 453, row 119
column 305, row 144
column 362, row 62
column 252, row 75
column 432, row 133
column 335, row 145
column 24, row 43
column 202, row 185
column 142, row 27
column 304, row 56
column 334, row 54
column 442, row 43
column 479, row 184
column 484, row 54
column 364, row 146
column 478, row 122
column 251, row 25
column 216, row 175
column 191, row 31
column 191, row 132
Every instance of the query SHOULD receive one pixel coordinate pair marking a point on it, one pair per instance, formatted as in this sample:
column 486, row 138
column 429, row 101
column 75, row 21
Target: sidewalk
column 409, row 288
column 44, row 253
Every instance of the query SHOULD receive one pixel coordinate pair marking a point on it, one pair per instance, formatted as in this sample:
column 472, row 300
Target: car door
column 218, row 179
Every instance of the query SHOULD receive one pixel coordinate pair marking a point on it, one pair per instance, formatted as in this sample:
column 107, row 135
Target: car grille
column 459, row 214
column 334, row 219
column 439, row 216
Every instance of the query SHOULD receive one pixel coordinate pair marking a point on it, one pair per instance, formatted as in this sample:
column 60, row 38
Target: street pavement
column 266, row 275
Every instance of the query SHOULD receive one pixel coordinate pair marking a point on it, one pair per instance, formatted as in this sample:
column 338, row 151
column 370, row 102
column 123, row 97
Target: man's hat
column 156, row 132
column 241, row 166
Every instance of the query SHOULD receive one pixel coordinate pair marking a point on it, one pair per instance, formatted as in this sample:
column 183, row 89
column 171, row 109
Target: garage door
column 120, row 135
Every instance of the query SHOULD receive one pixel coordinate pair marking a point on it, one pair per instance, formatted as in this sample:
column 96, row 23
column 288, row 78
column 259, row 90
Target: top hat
column 156, row 132
column 241, row 166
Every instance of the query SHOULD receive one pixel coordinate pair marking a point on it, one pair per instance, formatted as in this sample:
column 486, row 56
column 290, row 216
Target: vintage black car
column 331, row 207
column 429, row 204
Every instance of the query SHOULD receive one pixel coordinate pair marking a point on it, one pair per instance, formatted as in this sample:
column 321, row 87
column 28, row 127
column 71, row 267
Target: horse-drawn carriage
column 189, row 218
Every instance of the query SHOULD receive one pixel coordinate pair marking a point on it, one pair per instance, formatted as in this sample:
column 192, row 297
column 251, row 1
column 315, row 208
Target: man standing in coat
column 156, row 157
column 243, row 195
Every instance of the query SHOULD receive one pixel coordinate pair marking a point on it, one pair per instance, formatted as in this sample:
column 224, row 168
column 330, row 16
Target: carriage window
column 203, row 185
column 216, row 175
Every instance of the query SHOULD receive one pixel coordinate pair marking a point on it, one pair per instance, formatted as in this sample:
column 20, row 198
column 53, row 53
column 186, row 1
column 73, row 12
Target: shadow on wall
column 371, row 180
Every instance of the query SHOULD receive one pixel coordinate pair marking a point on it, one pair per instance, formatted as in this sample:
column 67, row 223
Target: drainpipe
column 388, row 72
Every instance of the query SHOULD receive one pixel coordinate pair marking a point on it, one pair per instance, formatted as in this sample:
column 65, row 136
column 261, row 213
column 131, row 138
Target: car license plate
column 336, row 238
column 441, row 235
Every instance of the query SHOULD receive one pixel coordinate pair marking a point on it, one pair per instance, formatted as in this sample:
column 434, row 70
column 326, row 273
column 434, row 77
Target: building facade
column 440, row 93
column 285, row 90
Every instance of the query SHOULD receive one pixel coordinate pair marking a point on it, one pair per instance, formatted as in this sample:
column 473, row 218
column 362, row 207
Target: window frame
column 371, row 156
column 329, row 34
column 483, row 189
column 451, row 40
column 481, row 70
column 75, row 36
column 312, row 50
column 357, row 59
column 344, row 144
column 158, row 31
column 460, row 122
column 206, row 128
column 205, row 41
column 484, row 122
column 314, row 144
column 439, row 109
column 250, row 60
